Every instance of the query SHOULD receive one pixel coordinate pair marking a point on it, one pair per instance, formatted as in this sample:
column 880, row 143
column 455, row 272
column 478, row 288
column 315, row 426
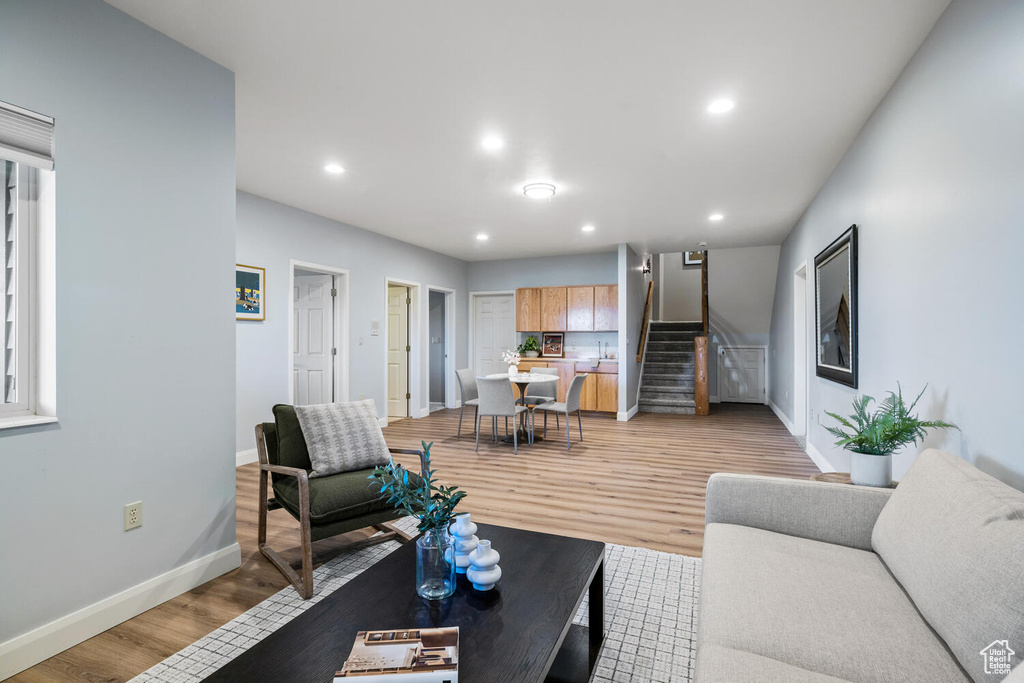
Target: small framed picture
column 693, row 258
column 552, row 345
column 250, row 292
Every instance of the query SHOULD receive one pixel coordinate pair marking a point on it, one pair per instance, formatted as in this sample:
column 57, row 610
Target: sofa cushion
column 825, row 608
column 342, row 437
column 717, row 664
column 954, row 538
column 333, row 498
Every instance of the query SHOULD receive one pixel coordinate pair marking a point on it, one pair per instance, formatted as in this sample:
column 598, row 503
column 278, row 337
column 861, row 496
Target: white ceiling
column 604, row 98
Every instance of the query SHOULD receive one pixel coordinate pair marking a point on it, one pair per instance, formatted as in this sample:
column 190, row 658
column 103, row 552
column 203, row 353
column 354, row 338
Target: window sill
column 25, row 421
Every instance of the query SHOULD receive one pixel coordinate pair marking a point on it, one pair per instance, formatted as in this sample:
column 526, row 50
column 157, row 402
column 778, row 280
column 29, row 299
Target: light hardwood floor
column 635, row 483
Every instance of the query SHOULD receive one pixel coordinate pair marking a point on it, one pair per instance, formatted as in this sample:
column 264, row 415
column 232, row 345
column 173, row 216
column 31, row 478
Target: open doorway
column 318, row 354
column 441, row 333
column 800, row 360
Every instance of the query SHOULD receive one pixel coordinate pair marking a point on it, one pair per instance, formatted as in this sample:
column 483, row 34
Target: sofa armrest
column 820, row 511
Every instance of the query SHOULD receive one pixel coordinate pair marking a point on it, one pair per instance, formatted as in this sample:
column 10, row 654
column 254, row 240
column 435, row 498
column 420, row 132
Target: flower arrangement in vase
column 512, row 358
column 420, row 496
column 873, row 437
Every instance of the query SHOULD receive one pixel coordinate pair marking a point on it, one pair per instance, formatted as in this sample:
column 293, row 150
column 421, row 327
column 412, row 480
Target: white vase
column 513, row 370
column 483, row 570
column 871, row 470
column 463, row 529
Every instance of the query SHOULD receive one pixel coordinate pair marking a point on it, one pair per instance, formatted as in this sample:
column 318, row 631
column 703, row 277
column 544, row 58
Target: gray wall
column 741, row 288
column 145, row 164
column 632, row 299
column 437, row 333
column 548, row 271
column 269, row 236
column 934, row 180
column 679, row 287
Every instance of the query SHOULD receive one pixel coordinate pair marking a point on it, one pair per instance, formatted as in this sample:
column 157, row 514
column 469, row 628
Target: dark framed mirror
column 835, row 277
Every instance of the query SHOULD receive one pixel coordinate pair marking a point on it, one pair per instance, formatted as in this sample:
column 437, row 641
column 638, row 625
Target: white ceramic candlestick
column 483, row 570
column 463, row 529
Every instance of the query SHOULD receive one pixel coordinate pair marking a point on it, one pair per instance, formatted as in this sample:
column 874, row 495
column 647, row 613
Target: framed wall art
column 835, row 278
column 250, row 292
column 553, row 345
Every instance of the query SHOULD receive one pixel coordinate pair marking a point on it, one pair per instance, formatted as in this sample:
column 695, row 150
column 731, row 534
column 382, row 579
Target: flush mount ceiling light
column 715, row 217
column 482, row 237
column 492, row 142
column 539, row 190
column 721, row 106
column 334, row 169
column 587, row 228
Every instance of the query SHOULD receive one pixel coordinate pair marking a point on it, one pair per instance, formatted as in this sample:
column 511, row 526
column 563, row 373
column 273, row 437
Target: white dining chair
column 496, row 400
column 467, row 393
column 571, row 405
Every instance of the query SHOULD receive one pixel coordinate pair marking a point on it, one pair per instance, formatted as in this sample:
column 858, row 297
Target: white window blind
column 26, row 137
column 8, row 304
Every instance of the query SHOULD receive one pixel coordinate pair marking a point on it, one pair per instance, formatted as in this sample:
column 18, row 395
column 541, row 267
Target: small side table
column 839, row 478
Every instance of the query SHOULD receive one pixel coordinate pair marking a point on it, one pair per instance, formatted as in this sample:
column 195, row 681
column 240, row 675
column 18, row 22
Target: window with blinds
column 8, row 305
column 27, row 285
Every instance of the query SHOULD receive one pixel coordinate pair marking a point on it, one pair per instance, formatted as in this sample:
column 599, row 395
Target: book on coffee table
column 424, row 655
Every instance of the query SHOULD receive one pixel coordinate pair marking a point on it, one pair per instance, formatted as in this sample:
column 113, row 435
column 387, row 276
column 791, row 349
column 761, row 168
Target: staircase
column 667, row 382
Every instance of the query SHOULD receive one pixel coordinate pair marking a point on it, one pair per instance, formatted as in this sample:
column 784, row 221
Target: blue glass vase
column 435, row 564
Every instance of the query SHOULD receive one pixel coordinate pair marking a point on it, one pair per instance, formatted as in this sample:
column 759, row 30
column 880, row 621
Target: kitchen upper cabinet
column 528, row 310
column 579, row 302
column 606, row 308
column 552, row 309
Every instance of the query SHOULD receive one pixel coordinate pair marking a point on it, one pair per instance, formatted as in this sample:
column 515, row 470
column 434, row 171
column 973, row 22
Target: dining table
column 523, row 380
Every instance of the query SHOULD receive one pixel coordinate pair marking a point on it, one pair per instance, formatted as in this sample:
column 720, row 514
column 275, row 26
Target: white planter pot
column 871, row 470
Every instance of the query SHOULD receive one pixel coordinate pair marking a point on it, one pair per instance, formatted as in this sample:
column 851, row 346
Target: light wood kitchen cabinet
column 528, row 309
column 606, row 308
column 579, row 302
column 552, row 309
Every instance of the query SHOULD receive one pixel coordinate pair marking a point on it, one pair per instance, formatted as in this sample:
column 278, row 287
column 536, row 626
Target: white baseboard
column 628, row 415
column 782, row 416
column 383, row 421
column 813, row 453
column 28, row 649
column 425, row 412
column 246, row 457
column 819, row 459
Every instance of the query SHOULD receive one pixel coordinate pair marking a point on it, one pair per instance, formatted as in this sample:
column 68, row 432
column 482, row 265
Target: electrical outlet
column 132, row 515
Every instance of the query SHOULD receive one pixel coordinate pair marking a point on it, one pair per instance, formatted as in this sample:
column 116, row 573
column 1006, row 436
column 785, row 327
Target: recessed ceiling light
column 539, row 190
column 715, row 217
column 492, row 142
column 587, row 228
column 482, row 237
column 334, row 168
column 721, row 106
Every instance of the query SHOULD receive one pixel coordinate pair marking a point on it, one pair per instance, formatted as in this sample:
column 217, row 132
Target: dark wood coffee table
column 521, row 630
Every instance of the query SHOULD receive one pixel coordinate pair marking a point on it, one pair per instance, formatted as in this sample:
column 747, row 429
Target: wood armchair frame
column 304, row 583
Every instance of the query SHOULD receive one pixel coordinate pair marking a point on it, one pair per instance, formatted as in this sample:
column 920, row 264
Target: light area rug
column 650, row 616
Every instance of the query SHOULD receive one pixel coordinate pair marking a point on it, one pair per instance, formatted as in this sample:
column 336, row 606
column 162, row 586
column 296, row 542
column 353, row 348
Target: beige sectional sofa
column 810, row 582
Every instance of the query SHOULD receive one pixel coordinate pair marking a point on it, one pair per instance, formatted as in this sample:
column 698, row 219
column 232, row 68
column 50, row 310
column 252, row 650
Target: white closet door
column 741, row 375
column 313, row 339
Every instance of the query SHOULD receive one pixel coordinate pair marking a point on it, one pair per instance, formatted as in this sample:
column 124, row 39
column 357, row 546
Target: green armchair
column 324, row 506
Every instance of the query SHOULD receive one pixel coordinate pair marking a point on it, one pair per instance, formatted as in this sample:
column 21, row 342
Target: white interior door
column 741, row 375
column 494, row 331
column 398, row 351
column 313, row 339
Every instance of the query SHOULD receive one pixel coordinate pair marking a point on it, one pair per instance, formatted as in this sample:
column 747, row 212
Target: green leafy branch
column 887, row 429
column 418, row 495
column 529, row 344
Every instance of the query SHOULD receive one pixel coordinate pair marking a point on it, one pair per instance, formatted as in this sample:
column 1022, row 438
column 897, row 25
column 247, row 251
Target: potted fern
column 872, row 438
